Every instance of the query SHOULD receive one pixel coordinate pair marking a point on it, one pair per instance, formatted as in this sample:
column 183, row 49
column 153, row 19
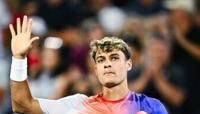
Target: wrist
column 19, row 56
column 18, row 69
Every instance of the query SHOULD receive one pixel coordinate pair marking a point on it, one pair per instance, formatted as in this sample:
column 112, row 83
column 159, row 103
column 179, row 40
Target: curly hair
column 108, row 44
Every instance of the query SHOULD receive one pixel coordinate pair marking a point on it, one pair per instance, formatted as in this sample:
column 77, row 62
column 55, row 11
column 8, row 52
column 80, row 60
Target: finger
column 29, row 27
column 33, row 39
column 12, row 30
column 24, row 24
column 18, row 26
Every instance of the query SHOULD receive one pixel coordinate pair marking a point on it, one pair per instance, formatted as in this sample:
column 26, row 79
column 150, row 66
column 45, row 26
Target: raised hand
column 21, row 38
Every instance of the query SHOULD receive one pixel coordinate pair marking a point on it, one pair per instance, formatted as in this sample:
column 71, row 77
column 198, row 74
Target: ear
column 129, row 64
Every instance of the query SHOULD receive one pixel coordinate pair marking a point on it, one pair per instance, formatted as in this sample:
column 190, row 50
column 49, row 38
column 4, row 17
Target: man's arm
column 172, row 93
column 22, row 101
column 141, row 82
column 190, row 47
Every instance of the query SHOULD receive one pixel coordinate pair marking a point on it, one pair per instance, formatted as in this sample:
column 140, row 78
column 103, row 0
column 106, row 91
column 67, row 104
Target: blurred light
column 112, row 19
column 53, row 42
column 187, row 5
column 39, row 26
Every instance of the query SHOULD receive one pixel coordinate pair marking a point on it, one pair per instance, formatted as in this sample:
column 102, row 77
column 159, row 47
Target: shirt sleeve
column 158, row 107
column 61, row 106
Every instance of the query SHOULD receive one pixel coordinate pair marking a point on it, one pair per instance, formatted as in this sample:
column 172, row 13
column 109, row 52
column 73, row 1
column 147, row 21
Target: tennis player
column 112, row 62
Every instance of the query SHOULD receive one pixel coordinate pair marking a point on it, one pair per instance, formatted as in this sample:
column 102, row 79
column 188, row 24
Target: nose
column 107, row 64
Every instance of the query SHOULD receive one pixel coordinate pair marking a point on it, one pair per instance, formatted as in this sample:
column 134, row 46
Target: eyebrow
column 114, row 54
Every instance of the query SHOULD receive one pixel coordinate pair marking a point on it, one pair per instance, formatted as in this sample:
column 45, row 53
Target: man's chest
column 107, row 108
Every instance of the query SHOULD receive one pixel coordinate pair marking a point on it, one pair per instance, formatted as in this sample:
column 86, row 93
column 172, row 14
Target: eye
column 114, row 58
column 100, row 60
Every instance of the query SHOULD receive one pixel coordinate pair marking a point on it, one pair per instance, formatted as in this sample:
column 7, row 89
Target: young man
column 112, row 62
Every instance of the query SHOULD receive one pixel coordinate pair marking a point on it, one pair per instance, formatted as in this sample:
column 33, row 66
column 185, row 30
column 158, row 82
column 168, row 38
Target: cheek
column 99, row 69
column 120, row 68
column 99, row 74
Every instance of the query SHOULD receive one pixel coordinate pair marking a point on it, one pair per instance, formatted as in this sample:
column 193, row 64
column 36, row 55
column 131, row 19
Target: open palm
column 21, row 38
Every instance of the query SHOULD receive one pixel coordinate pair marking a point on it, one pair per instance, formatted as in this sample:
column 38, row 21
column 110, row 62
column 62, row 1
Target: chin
column 110, row 84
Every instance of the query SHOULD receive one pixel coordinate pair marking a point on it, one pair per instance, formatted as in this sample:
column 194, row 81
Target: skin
column 22, row 100
column 111, row 70
column 181, row 23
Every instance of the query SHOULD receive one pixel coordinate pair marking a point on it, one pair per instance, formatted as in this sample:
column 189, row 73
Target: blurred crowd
column 164, row 36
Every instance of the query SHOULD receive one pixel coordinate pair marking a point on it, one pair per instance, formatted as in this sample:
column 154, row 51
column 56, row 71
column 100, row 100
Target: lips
column 108, row 73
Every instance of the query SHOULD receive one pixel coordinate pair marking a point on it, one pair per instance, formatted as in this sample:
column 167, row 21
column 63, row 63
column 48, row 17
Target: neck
column 117, row 92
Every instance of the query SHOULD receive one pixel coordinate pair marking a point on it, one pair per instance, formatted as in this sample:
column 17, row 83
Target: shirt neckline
column 126, row 97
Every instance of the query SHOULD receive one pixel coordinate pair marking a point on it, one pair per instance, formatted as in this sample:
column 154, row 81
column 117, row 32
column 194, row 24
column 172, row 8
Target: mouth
column 109, row 73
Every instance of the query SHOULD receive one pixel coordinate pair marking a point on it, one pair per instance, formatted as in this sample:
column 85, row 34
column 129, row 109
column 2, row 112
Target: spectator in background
column 92, row 30
column 5, row 14
column 134, row 26
column 111, row 19
column 136, row 48
column 81, row 85
column 39, row 27
column 29, row 7
column 34, row 61
column 157, row 76
column 45, row 78
column 186, row 45
column 64, row 13
column 94, row 6
column 55, row 20
column 144, row 8
column 65, row 81
column 4, row 59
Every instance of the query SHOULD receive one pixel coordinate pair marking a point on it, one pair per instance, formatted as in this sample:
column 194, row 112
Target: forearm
column 170, row 92
column 21, row 96
column 190, row 47
column 20, row 93
column 139, row 84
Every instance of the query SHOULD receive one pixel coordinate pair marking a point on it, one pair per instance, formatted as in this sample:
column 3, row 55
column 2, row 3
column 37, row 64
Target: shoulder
column 75, row 96
column 150, row 104
column 62, row 105
column 73, row 99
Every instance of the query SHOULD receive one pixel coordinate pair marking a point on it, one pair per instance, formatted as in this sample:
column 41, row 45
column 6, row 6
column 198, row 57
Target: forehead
column 113, row 52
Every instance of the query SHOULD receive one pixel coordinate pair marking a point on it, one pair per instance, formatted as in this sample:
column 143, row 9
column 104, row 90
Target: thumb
column 33, row 39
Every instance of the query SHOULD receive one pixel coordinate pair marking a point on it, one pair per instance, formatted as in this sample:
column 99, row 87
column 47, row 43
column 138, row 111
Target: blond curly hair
column 108, row 44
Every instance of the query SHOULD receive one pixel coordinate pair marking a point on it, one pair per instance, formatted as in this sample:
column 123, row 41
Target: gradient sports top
column 80, row 104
